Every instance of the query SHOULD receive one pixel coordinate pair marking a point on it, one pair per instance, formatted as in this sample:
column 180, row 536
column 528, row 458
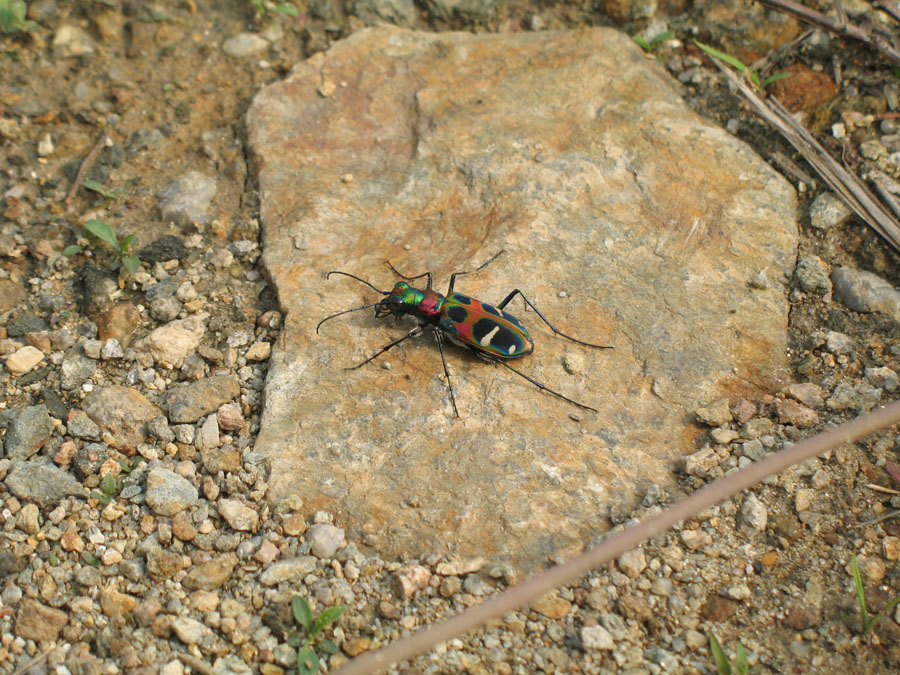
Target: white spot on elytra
column 486, row 340
column 512, row 348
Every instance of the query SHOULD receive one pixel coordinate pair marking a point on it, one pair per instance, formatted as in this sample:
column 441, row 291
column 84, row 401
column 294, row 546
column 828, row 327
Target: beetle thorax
column 405, row 299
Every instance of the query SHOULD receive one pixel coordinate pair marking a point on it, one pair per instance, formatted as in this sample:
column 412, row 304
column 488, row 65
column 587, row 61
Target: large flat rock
column 627, row 219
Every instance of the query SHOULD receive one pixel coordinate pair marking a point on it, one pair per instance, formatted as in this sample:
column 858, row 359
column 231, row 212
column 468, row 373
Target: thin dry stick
column 853, row 191
column 40, row 658
column 840, row 27
column 623, row 541
column 86, row 165
column 889, row 7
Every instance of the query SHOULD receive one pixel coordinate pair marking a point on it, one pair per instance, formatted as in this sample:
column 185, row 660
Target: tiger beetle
column 494, row 335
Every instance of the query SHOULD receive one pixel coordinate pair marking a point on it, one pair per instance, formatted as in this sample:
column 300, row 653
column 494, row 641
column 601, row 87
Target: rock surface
column 626, row 218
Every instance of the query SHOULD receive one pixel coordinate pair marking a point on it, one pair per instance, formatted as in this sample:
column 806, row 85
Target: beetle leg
column 415, row 332
column 537, row 384
column 528, row 302
column 480, row 267
column 406, row 278
column 440, row 340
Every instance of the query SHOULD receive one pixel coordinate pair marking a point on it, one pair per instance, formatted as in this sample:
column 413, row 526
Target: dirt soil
column 156, row 81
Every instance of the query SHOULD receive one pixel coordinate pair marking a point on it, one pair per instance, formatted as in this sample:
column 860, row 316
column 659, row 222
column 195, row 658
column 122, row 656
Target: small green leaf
column 307, row 662
column 754, row 77
column 72, row 250
column 302, row 612
column 327, row 617
column 109, row 484
column 722, row 56
column 132, row 264
column 774, row 78
column 126, row 242
column 740, row 660
column 327, row 646
column 286, row 8
column 102, row 231
column 719, row 657
column 94, row 185
column 642, row 43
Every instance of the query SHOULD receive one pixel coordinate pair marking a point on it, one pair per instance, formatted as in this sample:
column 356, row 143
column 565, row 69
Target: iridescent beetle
column 493, row 334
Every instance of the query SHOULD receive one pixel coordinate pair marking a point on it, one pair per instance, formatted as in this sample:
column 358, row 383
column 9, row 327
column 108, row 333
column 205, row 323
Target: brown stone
column 37, row 622
column 210, row 575
column 552, row 606
column 792, row 412
column 120, row 322
column 806, row 89
column 114, row 603
column 718, row 608
column 536, row 143
column 122, row 411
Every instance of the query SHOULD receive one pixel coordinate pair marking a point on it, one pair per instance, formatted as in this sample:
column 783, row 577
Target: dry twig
column 86, row 165
column 876, row 42
column 623, row 541
column 848, row 187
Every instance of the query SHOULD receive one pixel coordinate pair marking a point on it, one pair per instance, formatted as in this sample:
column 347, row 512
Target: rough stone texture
column 43, row 483
column 574, row 154
column 37, row 622
column 189, row 402
column 122, row 411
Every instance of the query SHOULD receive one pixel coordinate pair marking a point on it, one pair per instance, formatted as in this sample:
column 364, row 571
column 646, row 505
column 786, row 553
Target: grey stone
column 75, row 369
column 865, row 292
column 828, row 211
column 753, row 515
column 185, row 200
column 861, row 397
column 43, row 483
column 28, row 428
column 290, row 570
column 168, row 493
column 325, row 540
column 245, row 44
column 812, row 275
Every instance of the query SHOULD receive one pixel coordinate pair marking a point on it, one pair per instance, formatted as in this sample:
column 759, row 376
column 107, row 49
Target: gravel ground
column 134, row 539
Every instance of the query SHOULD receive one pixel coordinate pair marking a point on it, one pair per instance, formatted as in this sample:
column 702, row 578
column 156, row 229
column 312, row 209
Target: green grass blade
column 302, row 612
column 661, row 37
column 883, row 613
column 860, row 594
column 642, row 43
column 72, row 250
column 722, row 56
column 774, row 78
column 719, row 657
column 740, row 660
column 286, row 8
column 102, row 231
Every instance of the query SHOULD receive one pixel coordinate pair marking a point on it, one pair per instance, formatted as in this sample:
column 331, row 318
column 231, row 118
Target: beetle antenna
column 382, row 303
column 347, row 274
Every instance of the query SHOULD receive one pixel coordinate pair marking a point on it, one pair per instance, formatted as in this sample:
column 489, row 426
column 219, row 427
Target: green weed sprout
column 12, row 17
column 723, row 666
column 97, row 186
column 280, row 7
column 110, row 487
column 868, row 623
column 654, row 42
column 97, row 229
column 738, row 65
column 307, row 658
